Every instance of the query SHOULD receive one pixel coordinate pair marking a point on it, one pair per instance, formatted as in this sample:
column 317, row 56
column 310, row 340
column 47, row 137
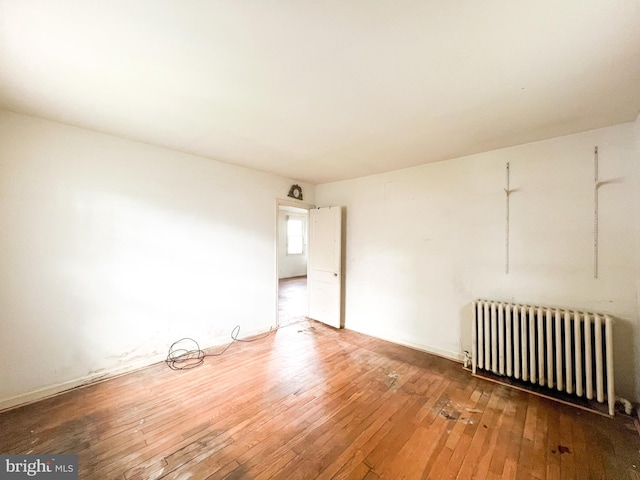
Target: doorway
column 292, row 255
column 292, row 300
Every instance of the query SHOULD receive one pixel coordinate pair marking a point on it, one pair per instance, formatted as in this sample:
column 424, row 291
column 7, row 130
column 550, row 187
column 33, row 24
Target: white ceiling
column 320, row 90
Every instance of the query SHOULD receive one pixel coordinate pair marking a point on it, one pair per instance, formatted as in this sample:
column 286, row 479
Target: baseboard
column 455, row 356
column 52, row 390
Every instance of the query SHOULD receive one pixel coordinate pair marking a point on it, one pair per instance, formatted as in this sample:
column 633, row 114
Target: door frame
column 281, row 202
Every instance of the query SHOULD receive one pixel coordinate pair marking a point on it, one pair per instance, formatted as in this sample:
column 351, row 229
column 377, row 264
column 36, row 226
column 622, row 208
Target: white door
column 324, row 281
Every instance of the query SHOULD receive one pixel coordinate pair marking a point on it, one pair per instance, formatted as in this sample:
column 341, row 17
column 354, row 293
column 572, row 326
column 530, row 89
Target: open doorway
column 293, row 228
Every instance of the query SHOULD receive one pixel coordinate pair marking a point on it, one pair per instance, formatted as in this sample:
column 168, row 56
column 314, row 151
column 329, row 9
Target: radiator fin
column 567, row 351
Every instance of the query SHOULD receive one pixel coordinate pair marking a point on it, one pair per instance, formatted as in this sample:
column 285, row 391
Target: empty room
column 311, row 239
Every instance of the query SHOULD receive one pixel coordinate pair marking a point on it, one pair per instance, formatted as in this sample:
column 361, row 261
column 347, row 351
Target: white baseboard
column 52, row 390
column 58, row 388
column 455, row 356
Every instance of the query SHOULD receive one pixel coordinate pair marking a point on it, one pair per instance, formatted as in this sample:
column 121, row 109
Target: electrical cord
column 186, row 352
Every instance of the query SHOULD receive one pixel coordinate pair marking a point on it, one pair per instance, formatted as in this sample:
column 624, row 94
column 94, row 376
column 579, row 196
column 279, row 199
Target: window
column 295, row 235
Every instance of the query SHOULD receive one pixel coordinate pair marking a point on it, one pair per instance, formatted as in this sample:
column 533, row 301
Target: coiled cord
column 186, row 352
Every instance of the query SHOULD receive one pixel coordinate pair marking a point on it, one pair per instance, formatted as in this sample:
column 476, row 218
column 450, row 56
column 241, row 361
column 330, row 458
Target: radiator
column 567, row 351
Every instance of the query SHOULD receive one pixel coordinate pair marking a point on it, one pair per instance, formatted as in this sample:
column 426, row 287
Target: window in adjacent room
column 295, row 235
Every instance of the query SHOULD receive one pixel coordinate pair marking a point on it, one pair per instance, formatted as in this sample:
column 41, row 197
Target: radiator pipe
column 628, row 408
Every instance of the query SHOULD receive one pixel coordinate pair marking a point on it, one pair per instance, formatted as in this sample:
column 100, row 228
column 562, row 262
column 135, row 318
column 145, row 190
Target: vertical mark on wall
column 506, row 227
column 595, row 212
column 387, row 190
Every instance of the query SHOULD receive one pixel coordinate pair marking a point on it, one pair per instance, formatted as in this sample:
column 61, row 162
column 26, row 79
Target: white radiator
column 569, row 351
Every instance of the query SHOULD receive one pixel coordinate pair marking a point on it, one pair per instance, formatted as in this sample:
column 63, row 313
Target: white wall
column 110, row 250
column 290, row 265
column 422, row 243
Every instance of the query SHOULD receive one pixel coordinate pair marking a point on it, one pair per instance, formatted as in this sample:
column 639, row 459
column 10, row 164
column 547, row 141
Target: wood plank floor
column 309, row 402
column 292, row 300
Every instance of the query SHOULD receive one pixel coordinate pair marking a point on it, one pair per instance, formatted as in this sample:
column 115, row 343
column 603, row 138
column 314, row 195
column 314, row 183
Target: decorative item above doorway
column 295, row 192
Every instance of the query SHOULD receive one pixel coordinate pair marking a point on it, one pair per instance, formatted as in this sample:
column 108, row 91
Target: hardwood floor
column 308, row 401
column 292, row 300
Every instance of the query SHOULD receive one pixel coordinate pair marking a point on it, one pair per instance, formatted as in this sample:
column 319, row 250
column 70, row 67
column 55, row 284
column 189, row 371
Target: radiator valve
column 628, row 408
